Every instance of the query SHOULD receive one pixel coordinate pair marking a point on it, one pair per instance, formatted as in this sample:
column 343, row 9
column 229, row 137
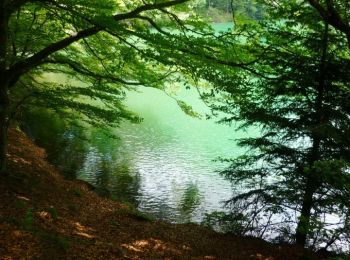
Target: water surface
column 164, row 165
column 167, row 161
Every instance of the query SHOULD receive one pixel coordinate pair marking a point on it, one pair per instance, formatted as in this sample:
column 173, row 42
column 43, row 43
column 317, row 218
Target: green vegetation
column 220, row 11
column 142, row 216
column 20, row 204
column 295, row 175
column 102, row 49
column 27, row 221
column 134, row 213
column 55, row 244
column 226, row 222
column 284, row 69
column 53, row 213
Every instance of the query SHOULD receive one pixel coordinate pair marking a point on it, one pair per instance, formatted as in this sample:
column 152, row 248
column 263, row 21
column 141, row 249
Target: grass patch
column 132, row 212
column 114, row 197
column 27, row 221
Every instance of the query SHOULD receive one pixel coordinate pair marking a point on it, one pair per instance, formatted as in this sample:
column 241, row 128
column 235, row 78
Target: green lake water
column 164, row 165
column 169, row 158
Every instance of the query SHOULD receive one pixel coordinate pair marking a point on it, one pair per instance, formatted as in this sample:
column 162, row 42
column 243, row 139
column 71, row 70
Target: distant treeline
column 226, row 10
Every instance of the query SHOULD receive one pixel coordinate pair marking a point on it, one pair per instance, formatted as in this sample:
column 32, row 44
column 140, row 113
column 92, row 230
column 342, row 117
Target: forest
column 227, row 10
column 132, row 129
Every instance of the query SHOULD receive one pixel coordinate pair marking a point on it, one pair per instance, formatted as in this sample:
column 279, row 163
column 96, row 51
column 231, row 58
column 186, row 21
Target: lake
column 164, row 165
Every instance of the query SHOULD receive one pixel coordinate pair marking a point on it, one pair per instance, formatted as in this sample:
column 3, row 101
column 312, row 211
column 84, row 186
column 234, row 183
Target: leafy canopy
column 74, row 56
column 293, row 183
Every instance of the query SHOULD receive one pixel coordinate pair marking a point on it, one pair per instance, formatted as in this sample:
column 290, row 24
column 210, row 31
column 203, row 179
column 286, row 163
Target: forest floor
column 44, row 216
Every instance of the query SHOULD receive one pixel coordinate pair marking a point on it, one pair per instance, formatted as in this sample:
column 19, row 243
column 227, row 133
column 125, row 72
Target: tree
column 109, row 46
column 248, row 9
column 335, row 13
column 295, row 175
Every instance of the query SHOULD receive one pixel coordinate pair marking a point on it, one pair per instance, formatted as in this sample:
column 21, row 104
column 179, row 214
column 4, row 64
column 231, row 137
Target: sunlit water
column 168, row 158
column 164, row 165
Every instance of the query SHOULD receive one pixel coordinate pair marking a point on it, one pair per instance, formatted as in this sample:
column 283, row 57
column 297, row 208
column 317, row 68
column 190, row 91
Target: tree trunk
column 4, row 108
column 4, row 85
column 313, row 180
column 303, row 226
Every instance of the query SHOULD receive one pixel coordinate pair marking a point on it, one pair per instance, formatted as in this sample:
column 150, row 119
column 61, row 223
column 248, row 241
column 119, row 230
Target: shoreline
column 43, row 215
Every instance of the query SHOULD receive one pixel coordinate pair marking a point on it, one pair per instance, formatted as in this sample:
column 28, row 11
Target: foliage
column 294, row 179
column 226, row 222
column 228, row 11
column 335, row 13
column 94, row 62
column 79, row 60
column 59, row 136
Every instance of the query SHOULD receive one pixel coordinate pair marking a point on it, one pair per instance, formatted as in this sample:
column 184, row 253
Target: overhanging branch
column 27, row 64
column 331, row 16
column 81, row 70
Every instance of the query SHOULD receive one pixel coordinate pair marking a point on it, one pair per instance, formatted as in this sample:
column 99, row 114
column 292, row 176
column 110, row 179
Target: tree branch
column 29, row 63
column 81, row 70
column 332, row 17
column 22, row 67
column 147, row 7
